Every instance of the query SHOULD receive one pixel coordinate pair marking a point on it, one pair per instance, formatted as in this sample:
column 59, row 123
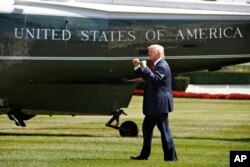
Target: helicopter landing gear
column 127, row 128
column 18, row 116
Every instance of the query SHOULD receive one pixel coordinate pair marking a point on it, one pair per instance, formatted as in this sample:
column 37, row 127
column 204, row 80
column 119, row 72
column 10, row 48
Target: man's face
column 153, row 54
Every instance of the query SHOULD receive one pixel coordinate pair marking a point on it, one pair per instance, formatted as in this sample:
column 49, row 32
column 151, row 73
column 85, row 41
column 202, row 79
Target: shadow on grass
column 49, row 135
column 87, row 135
column 220, row 139
column 98, row 159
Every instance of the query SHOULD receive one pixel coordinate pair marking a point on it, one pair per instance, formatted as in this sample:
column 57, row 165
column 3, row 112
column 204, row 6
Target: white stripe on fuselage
column 45, row 58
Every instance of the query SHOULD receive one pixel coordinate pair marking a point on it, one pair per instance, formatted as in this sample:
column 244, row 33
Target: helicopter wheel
column 128, row 129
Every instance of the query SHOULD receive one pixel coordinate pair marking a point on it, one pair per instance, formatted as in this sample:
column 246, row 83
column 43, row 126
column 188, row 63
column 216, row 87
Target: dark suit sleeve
column 156, row 76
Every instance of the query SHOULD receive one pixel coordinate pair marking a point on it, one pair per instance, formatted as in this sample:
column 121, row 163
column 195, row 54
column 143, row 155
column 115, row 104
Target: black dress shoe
column 139, row 158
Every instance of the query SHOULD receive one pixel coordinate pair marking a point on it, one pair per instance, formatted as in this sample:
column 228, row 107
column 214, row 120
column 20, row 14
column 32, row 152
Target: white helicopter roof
column 127, row 8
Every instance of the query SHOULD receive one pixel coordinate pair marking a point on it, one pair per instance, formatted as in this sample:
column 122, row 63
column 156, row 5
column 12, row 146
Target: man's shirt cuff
column 136, row 68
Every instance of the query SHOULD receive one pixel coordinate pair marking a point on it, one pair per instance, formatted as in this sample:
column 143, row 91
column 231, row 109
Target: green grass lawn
column 204, row 133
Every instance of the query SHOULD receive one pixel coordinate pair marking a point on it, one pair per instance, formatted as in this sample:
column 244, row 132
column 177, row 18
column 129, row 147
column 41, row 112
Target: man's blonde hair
column 158, row 48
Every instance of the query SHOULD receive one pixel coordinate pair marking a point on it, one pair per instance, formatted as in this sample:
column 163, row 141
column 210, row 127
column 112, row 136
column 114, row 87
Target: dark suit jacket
column 158, row 98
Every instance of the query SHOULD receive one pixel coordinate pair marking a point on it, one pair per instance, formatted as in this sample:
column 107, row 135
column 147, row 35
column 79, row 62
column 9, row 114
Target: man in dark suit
column 157, row 102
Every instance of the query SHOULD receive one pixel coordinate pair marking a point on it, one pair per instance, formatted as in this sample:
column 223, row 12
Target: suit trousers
column 167, row 140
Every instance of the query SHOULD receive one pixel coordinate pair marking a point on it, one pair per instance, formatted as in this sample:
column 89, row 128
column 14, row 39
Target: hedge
column 219, row 78
column 180, row 83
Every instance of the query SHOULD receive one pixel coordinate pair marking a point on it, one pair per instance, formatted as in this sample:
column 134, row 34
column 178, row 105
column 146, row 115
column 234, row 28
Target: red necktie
column 152, row 67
